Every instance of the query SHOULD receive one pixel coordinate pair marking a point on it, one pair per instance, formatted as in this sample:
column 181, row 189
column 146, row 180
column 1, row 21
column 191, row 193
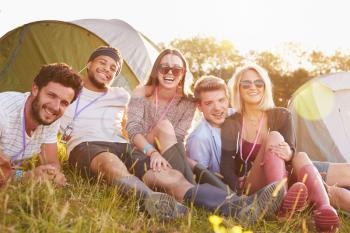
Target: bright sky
column 249, row 24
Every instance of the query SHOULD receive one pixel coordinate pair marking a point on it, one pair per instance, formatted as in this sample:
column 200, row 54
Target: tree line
column 288, row 70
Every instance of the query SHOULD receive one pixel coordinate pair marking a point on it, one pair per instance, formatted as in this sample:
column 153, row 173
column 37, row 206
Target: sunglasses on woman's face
column 246, row 84
column 176, row 70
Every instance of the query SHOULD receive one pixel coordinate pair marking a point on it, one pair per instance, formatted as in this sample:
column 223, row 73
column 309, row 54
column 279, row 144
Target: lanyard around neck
column 24, row 143
column 255, row 140
column 77, row 112
column 167, row 107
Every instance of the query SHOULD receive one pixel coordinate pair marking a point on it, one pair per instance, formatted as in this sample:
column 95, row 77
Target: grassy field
column 92, row 206
column 85, row 206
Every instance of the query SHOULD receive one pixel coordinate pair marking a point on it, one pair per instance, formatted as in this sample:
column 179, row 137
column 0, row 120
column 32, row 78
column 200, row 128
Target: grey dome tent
column 321, row 116
column 24, row 49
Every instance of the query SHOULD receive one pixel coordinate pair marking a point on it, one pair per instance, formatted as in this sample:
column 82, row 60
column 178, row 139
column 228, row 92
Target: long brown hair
column 153, row 77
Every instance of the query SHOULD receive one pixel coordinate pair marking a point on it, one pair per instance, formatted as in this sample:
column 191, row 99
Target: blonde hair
column 209, row 83
column 233, row 84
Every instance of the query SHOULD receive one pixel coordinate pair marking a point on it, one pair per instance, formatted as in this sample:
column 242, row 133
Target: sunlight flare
column 314, row 101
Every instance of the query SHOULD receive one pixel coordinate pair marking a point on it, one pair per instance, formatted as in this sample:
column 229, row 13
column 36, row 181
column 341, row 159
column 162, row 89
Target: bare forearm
column 49, row 155
column 140, row 141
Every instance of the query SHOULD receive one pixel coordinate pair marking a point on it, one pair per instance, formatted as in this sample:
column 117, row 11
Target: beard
column 35, row 109
column 35, row 112
column 96, row 83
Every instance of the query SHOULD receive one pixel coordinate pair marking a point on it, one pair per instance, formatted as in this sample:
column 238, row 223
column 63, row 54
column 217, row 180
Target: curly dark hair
column 59, row 73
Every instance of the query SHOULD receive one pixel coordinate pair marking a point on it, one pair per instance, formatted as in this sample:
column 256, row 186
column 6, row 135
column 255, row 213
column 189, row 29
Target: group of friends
column 240, row 162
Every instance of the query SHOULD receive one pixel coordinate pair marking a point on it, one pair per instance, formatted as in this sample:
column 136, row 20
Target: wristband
column 18, row 174
column 147, row 148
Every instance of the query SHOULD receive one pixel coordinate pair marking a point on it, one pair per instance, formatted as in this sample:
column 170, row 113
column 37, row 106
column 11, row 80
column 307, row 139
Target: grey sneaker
column 264, row 203
column 164, row 206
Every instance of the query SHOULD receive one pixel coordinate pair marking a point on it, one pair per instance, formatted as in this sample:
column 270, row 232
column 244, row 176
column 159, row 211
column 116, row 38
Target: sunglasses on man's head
column 246, row 84
column 176, row 70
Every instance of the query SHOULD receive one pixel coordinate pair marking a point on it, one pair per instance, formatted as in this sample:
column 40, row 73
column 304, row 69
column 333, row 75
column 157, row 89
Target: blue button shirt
column 204, row 146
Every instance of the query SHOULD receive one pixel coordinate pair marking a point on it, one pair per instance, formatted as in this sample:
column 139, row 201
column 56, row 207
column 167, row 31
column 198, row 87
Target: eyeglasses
column 246, row 84
column 176, row 71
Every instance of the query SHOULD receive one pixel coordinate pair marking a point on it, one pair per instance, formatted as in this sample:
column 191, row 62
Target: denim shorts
column 322, row 168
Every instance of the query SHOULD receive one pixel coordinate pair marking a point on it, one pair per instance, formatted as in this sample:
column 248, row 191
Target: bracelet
column 150, row 155
column 18, row 174
column 147, row 148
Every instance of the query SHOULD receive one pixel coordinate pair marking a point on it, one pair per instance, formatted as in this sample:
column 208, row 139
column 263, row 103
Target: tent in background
column 25, row 49
column 321, row 116
column 138, row 51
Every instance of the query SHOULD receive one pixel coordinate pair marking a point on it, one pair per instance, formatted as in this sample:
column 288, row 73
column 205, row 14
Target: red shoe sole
column 326, row 219
column 295, row 199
